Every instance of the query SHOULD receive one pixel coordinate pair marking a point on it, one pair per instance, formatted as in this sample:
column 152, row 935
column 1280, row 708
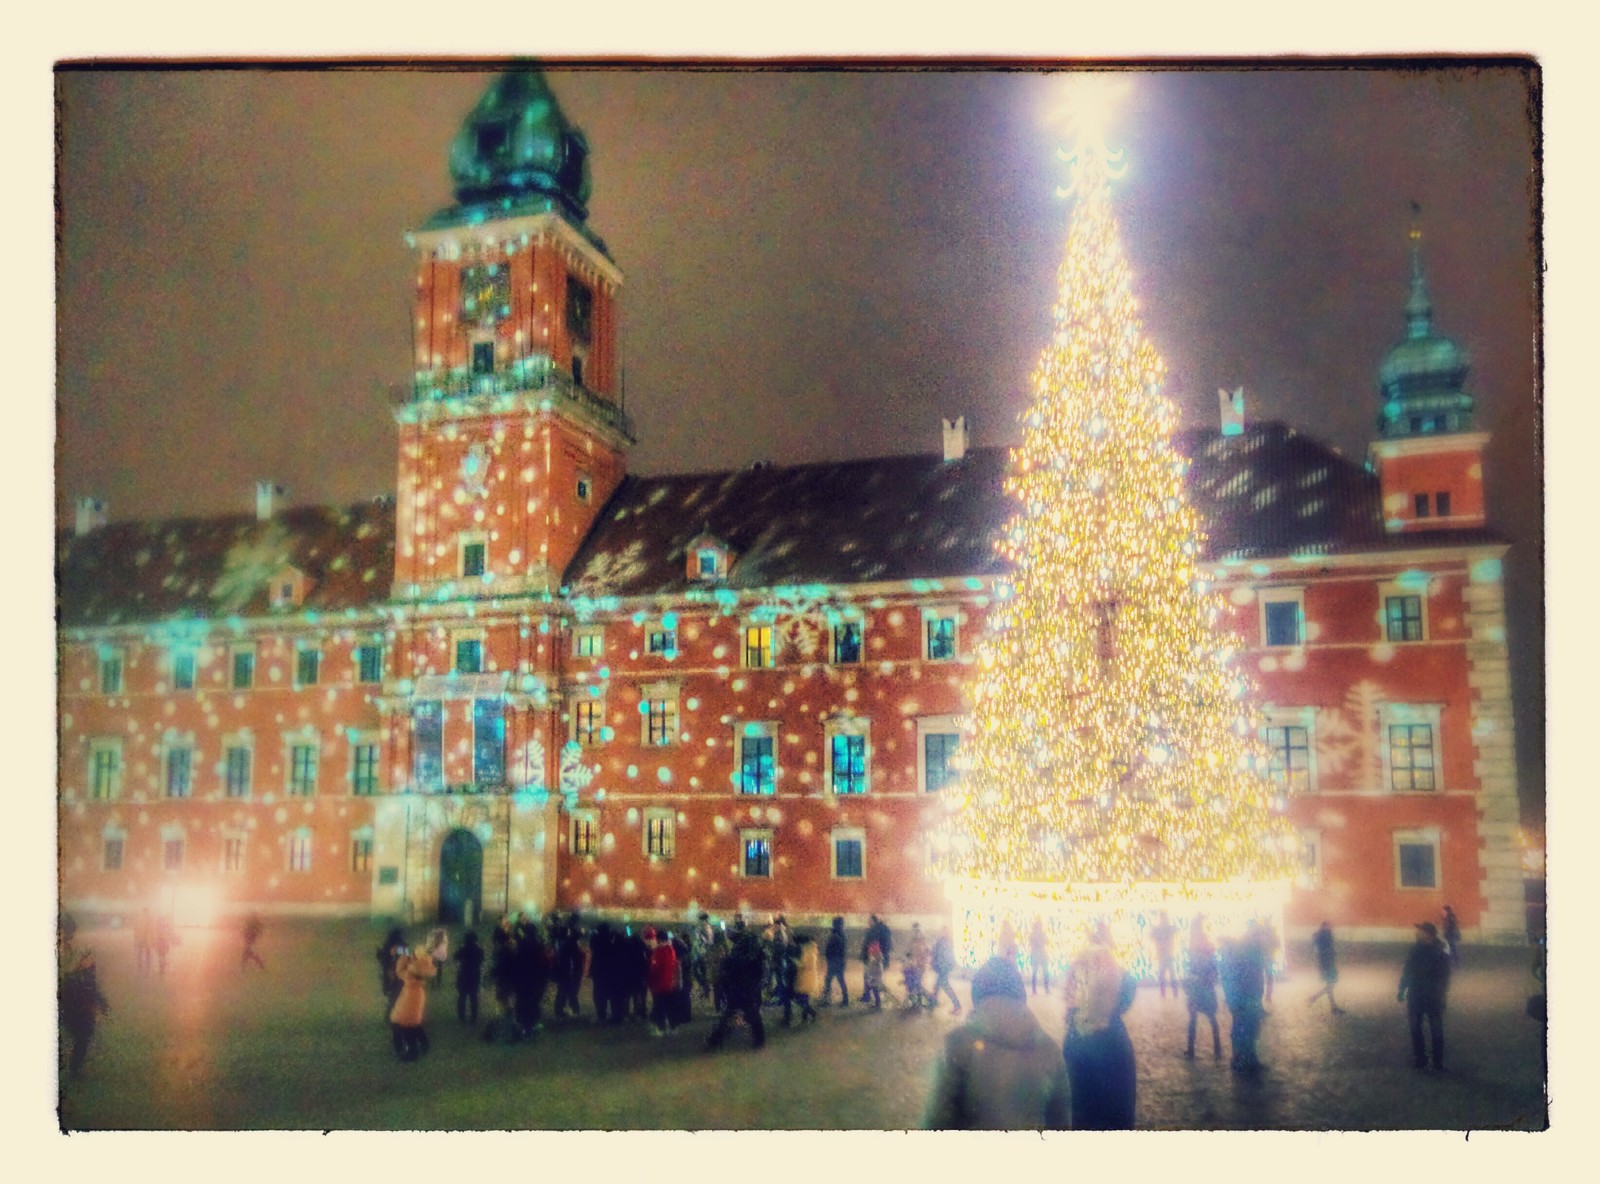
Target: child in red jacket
column 662, row 979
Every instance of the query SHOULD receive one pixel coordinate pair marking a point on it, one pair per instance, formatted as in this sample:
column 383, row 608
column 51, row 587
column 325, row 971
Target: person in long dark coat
column 469, row 977
column 604, row 972
column 1244, row 981
column 82, row 1005
column 531, row 977
column 740, row 984
column 878, row 932
column 1200, row 987
column 635, row 973
column 1327, row 966
column 503, row 979
column 388, row 980
column 1424, row 983
column 569, row 970
column 834, row 953
column 1098, row 1050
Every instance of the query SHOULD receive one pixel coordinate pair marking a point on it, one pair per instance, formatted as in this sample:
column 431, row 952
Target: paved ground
column 304, row 1046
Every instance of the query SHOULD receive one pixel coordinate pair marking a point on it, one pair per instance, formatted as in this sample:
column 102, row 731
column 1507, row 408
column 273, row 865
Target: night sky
column 819, row 265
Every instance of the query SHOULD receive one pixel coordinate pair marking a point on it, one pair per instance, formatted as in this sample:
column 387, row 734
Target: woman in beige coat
column 410, row 1009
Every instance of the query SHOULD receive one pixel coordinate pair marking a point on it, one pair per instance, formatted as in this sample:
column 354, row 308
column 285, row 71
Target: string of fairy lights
column 1110, row 737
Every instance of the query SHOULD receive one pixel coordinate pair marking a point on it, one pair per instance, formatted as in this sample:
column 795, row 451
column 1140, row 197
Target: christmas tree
column 1110, row 741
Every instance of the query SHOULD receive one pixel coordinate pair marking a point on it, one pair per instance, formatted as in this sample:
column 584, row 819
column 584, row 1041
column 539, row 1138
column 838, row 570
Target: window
column 302, row 770
column 662, row 641
column 938, row 741
column 364, row 769
column 939, row 634
column 757, row 647
column 708, row 563
column 659, row 833
column 300, row 851
column 236, row 771
column 427, row 737
column 172, row 854
column 361, row 855
column 233, row 854
column 755, row 849
column 585, row 832
column 111, row 674
column 849, row 854
column 585, row 482
column 1411, row 757
column 244, row 669
column 1290, row 746
column 756, row 747
column 580, row 308
column 1402, row 617
column 588, row 722
column 307, row 667
column 847, row 642
column 183, row 669
column 469, row 655
column 847, row 755
column 1420, row 504
column 112, row 845
column 473, row 556
column 369, row 662
column 1441, row 504
column 588, row 641
column 1282, row 616
column 488, row 742
column 180, row 767
column 483, row 357
column 1310, row 859
column 1416, row 859
column 660, row 711
column 105, row 770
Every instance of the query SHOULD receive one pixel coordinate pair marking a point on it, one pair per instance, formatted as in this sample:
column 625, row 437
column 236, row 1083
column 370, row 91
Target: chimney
column 1232, row 411
column 955, row 437
column 91, row 515
column 268, row 494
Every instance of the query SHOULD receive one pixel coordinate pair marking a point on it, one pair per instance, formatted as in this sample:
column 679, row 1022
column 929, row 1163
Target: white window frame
column 846, row 833
column 302, row 843
column 358, row 741
column 933, row 725
column 114, row 834
column 460, row 635
column 939, row 612
column 112, row 745
column 245, row 741
column 860, row 625
column 749, row 835
column 1282, row 594
column 654, row 815
column 230, row 838
column 1394, row 714
column 307, row 648
column 234, row 653
column 656, row 628
column 1419, row 836
column 847, row 725
column 580, row 699
column 771, row 646
column 1310, row 875
column 669, row 694
column 104, row 657
column 362, row 836
column 576, row 824
column 471, row 538
column 1397, row 588
column 169, row 745
column 191, row 652
column 1294, row 717
column 355, row 661
column 719, row 562
column 302, row 739
column 741, row 731
column 589, row 642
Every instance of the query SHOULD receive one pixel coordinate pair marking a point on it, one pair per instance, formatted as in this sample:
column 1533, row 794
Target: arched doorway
column 460, row 876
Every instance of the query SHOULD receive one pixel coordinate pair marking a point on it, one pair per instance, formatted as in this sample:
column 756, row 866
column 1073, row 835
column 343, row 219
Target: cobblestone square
column 304, row 1045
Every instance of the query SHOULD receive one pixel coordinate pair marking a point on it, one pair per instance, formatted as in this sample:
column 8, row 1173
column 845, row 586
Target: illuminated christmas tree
column 1110, row 744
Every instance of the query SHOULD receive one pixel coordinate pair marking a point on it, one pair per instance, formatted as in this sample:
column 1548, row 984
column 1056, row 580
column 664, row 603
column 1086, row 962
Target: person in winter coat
column 916, row 969
column 251, row 934
column 1164, row 937
column 681, row 1008
column 1327, row 966
column 805, row 979
column 82, row 1005
column 410, row 1009
column 388, row 954
column 469, row 977
column 662, row 979
column 740, row 988
column 701, row 938
column 531, row 976
column 716, row 955
column 834, row 953
column 605, row 975
column 1098, row 1050
column 569, row 969
column 1424, row 983
column 438, row 948
column 943, row 961
column 1200, row 986
column 999, row 1070
column 1244, row 978
column 635, row 972
column 878, row 932
column 872, row 976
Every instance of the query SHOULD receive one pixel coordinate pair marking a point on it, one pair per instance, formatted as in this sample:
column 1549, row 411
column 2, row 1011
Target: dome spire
column 1419, row 308
column 1421, row 381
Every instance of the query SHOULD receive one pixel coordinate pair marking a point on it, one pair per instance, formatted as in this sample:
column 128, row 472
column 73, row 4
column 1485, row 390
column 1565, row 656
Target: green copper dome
column 517, row 153
column 1421, row 379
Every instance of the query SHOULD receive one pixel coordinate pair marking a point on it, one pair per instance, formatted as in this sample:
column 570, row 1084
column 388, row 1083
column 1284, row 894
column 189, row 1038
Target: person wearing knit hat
column 1000, row 1071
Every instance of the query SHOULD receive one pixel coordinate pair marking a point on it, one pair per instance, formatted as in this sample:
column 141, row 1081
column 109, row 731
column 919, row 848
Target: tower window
column 1441, row 504
column 580, row 310
column 483, row 357
column 183, row 666
column 493, row 139
column 473, row 558
column 585, row 483
column 577, row 369
column 847, row 642
column 1420, row 503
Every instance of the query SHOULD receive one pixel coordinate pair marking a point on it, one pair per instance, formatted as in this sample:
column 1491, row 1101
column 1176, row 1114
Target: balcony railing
column 525, row 376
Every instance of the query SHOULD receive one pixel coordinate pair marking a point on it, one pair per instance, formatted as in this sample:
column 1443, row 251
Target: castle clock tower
column 512, row 436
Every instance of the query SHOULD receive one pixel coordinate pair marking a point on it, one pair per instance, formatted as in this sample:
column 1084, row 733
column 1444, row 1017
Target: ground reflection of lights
column 980, row 910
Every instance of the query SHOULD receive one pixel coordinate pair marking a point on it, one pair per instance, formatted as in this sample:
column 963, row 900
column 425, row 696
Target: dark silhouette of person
column 740, row 985
column 388, row 978
column 1244, row 978
column 1200, row 987
column 1424, row 983
column 1098, row 1051
column 1327, row 966
column 1164, row 937
column 252, row 934
column 878, row 932
column 834, row 954
column 530, row 977
column 469, row 978
column 82, row 1005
